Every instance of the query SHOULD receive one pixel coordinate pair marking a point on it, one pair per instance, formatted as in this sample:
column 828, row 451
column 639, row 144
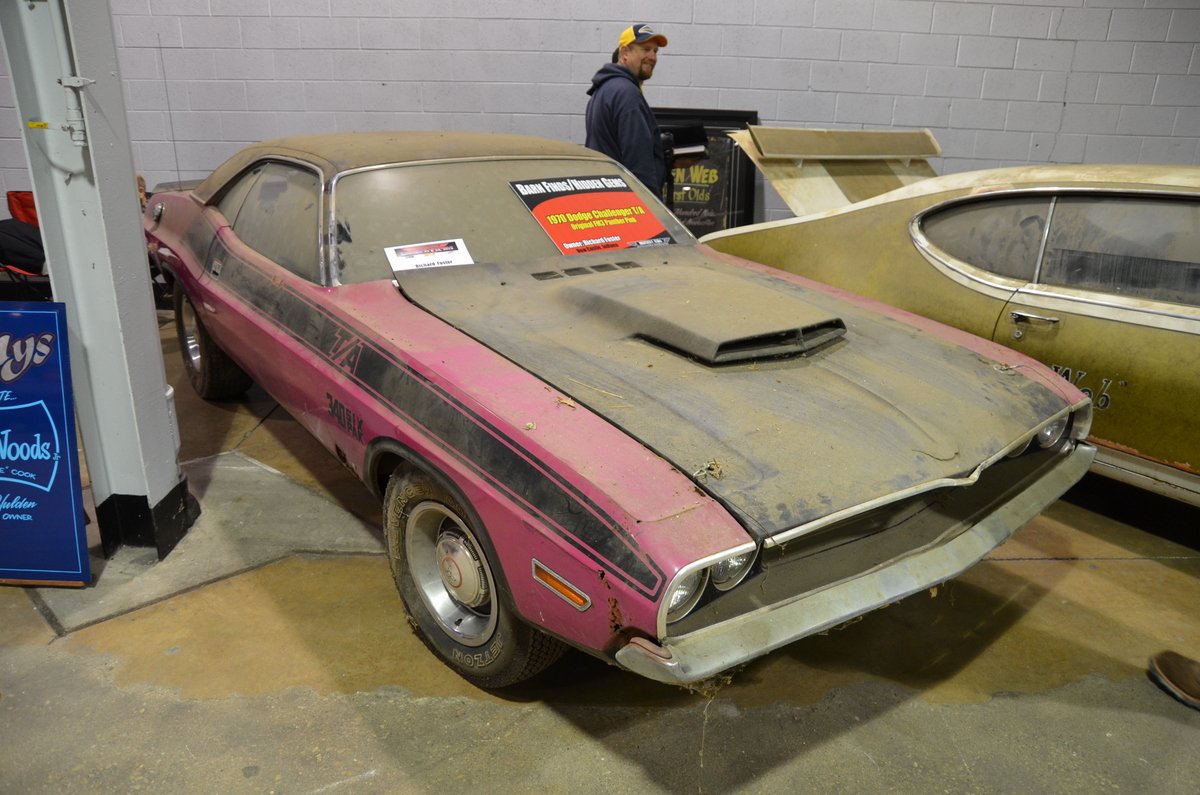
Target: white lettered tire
column 445, row 572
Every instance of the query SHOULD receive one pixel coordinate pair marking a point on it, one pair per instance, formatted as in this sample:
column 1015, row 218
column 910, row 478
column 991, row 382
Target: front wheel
column 445, row 577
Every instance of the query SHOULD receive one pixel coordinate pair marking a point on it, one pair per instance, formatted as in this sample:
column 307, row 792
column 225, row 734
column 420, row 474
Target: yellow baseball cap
column 639, row 33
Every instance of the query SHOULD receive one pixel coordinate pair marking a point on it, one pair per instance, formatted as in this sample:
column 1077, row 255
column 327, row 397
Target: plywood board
column 862, row 179
column 795, row 143
column 814, row 185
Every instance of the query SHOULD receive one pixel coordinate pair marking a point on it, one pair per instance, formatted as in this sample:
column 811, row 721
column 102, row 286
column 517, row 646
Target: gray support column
column 63, row 61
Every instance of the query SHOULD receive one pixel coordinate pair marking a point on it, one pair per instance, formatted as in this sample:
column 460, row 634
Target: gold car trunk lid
column 786, row 403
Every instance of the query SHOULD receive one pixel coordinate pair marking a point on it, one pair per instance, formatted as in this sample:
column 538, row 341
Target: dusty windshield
column 426, row 215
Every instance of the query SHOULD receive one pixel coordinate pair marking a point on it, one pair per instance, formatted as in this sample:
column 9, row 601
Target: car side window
column 1141, row 247
column 1002, row 235
column 280, row 218
column 235, row 194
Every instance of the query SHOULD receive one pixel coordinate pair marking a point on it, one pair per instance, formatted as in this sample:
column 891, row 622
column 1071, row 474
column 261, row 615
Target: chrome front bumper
column 707, row 652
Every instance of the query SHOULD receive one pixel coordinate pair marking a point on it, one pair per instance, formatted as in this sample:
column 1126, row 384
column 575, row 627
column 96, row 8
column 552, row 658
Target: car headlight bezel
column 727, row 572
column 1081, row 421
column 684, row 594
column 1053, row 433
column 1070, row 426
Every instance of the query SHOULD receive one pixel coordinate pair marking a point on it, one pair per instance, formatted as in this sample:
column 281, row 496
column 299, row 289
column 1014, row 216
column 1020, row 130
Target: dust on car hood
column 785, row 402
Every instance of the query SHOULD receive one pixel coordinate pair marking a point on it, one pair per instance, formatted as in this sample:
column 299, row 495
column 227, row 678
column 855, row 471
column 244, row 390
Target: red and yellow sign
column 582, row 214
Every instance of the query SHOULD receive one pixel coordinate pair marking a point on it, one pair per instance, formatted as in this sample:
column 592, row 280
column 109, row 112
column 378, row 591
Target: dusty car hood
column 844, row 419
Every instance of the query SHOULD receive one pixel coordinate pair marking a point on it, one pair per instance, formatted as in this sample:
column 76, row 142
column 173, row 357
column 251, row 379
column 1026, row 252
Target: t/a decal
column 346, row 350
column 345, row 417
column 1100, row 399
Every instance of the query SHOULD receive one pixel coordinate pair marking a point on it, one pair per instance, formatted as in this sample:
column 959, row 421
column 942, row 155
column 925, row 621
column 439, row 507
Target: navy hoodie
column 620, row 124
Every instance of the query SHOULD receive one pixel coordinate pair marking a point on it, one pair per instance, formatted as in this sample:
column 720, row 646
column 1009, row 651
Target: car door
column 206, row 240
column 260, row 275
column 1115, row 309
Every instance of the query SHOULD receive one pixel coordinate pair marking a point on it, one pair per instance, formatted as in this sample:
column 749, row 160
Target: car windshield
column 456, row 213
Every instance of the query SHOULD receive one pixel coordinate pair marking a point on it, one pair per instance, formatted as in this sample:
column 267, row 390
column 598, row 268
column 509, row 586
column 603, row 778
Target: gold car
column 1094, row 270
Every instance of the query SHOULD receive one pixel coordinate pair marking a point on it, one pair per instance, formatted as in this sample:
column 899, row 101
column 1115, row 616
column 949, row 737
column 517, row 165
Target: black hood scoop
column 778, row 344
column 707, row 315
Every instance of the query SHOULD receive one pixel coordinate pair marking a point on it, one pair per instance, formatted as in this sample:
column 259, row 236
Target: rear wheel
column 445, row 576
column 213, row 374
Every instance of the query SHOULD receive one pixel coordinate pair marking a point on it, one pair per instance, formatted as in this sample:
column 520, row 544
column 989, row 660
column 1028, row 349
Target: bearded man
column 618, row 118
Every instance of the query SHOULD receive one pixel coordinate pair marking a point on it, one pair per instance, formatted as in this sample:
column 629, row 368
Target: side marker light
column 563, row 589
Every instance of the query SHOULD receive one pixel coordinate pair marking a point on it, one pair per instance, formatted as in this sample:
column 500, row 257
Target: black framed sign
column 715, row 191
column 43, row 538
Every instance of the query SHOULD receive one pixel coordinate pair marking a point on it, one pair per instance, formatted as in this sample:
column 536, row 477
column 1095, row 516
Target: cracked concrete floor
column 268, row 654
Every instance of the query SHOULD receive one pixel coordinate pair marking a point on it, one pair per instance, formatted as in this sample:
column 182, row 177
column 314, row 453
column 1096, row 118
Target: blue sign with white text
column 42, row 534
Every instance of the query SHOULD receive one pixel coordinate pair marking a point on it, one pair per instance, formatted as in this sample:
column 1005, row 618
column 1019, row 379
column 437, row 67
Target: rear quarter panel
column 869, row 251
column 981, row 345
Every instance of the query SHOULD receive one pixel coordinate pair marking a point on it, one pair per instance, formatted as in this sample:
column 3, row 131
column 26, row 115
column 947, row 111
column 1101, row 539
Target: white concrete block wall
column 999, row 83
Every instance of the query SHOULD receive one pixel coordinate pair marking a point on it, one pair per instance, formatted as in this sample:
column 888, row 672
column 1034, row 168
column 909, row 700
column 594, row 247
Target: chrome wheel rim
column 190, row 333
column 451, row 573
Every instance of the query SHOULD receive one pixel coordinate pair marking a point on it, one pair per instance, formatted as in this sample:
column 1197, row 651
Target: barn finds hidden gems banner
column 43, row 539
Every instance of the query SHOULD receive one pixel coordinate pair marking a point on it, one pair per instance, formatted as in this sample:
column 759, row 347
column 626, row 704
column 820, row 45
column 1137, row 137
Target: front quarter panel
column 550, row 480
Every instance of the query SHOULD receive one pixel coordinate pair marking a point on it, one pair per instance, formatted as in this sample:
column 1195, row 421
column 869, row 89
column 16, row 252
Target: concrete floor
column 268, row 653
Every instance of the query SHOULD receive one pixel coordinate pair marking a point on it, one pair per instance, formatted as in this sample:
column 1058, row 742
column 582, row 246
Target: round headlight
column 730, row 571
column 1016, row 451
column 1052, row 434
column 684, row 594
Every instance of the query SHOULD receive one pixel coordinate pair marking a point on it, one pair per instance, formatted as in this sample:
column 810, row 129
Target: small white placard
column 434, row 254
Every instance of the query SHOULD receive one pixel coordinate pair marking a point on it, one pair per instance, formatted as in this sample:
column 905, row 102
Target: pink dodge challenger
column 586, row 428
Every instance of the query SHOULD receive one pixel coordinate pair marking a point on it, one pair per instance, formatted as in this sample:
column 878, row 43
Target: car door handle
column 1029, row 317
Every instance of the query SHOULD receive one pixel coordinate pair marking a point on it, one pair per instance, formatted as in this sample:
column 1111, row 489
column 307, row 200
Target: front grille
column 866, row 542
